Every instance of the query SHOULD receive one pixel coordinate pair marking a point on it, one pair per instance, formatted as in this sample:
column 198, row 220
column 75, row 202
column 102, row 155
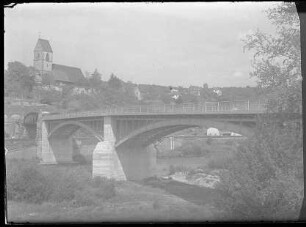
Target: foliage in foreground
column 27, row 182
column 266, row 178
column 266, row 174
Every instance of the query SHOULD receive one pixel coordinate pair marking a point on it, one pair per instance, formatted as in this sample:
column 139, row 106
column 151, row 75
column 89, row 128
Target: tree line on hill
column 19, row 81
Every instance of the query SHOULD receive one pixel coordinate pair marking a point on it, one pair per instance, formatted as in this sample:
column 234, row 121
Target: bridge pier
column 45, row 151
column 128, row 162
column 106, row 162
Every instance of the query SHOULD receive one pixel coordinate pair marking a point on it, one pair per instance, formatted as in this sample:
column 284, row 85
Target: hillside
column 94, row 93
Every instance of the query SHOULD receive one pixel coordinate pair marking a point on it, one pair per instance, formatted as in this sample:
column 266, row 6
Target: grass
column 65, row 193
column 76, row 197
column 148, row 204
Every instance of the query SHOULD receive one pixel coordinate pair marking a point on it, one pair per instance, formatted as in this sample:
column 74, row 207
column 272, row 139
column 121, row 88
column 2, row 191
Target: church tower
column 43, row 57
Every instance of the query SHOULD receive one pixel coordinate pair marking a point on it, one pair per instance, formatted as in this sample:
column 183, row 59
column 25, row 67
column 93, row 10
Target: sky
column 177, row 44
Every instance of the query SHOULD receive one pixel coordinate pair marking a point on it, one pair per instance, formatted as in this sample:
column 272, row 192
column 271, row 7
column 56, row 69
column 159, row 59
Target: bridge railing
column 206, row 107
column 188, row 108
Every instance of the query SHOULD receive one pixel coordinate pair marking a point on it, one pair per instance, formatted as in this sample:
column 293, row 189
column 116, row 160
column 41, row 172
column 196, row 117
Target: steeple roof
column 43, row 45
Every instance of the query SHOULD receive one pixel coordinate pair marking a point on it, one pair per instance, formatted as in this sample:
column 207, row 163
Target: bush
column 84, row 197
column 264, row 182
column 105, row 187
column 27, row 184
column 64, row 189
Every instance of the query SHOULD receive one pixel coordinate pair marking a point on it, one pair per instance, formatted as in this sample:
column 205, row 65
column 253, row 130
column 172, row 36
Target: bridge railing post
column 218, row 107
column 248, row 105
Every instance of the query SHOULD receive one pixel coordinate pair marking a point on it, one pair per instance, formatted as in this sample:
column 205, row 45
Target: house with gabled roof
column 55, row 74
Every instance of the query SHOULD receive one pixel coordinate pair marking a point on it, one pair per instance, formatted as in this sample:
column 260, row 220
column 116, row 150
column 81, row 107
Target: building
column 175, row 94
column 51, row 73
column 137, row 93
column 195, row 90
column 217, row 91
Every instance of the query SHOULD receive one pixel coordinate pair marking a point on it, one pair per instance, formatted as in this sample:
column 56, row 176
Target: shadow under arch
column 153, row 132
column 72, row 127
column 30, row 124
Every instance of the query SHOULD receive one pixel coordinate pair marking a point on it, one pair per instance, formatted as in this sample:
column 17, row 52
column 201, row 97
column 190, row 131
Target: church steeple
column 43, row 56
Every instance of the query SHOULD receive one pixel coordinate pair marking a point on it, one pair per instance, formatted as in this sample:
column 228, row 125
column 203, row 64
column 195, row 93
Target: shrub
column 27, row 184
column 64, row 189
column 264, row 181
column 105, row 188
column 83, row 198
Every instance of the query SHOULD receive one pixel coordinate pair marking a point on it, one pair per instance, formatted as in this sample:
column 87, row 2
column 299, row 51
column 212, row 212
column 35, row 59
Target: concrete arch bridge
column 124, row 135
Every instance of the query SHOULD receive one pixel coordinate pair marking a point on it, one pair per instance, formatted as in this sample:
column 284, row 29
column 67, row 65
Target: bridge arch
column 72, row 127
column 155, row 131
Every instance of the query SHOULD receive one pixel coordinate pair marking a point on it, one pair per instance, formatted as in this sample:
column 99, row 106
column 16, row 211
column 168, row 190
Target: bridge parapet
column 207, row 107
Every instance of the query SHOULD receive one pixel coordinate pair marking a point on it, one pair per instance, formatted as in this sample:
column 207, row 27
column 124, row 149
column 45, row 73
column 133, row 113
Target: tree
column 95, row 81
column 114, row 82
column 265, row 180
column 205, row 86
column 19, row 79
column 96, row 75
column 277, row 59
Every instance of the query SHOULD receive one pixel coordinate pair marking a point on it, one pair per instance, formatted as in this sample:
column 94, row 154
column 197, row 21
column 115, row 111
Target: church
column 55, row 74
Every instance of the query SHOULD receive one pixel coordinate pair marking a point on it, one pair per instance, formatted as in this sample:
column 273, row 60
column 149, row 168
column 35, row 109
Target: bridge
column 124, row 134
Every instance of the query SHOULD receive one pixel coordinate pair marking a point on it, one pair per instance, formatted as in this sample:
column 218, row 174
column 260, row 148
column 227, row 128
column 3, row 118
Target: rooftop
column 67, row 73
column 44, row 45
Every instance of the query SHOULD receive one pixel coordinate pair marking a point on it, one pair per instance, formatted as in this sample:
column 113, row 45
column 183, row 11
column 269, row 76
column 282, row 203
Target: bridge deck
column 218, row 108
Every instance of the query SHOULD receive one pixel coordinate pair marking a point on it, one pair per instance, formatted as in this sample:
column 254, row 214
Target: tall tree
column 265, row 180
column 95, row 81
column 114, row 82
column 277, row 59
column 96, row 75
column 19, row 79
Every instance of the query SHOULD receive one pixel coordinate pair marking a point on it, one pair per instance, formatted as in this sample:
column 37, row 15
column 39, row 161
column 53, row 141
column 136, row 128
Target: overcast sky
column 179, row 44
